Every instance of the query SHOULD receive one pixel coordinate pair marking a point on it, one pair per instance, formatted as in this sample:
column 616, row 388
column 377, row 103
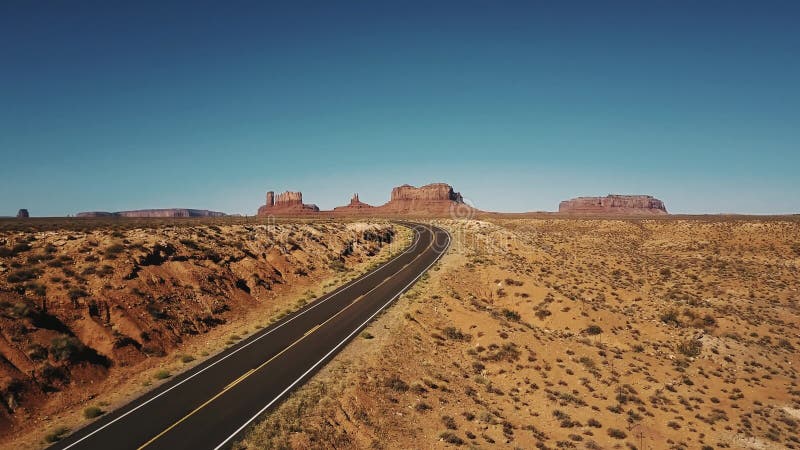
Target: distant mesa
column 613, row 204
column 355, row 205
column 286, row 203
column 23, row 214
column 434, row 198
column 430, row 192
column 431, row 199
column 167, row 212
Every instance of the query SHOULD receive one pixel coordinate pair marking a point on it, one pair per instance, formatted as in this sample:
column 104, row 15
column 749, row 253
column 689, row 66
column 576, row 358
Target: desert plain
column 531, row 332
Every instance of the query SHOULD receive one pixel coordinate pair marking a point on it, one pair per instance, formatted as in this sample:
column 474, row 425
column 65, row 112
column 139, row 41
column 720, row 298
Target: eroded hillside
column 84, row 311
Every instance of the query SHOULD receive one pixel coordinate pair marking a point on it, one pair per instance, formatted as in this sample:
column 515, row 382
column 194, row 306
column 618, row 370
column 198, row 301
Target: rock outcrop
column 168, row 212
column 286, row 203
column 355, row 205
column 429, row 192
column 435, row 198
column 438, row 199
column 613, row 204
column 23, row 214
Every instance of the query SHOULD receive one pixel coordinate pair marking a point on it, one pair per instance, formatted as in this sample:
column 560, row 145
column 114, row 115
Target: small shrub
column 113, row 251
column 92, row 412
column 511, row 315
column 456, row 334
column 396, row 384
column 367, row 335
column 162, row 374
column 451, row 438
column 76, row 293
column 690, row 347
column 593, row 330
column 56, row 434
column 21, row 275
column 187, row 359
column 670, row 317
column 36, row 352
column 422, row 406
column 617, row 433
column 20, row 248
column 449, row 422
column 65, row 348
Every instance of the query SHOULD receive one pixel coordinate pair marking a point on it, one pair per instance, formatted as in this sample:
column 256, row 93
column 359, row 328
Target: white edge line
column 261, row 411
column 247, row 344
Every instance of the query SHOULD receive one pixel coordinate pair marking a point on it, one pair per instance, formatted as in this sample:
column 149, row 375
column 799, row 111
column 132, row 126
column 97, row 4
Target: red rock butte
column 355, row 205
column 431, row 199
column 286, row 203
column 613, row 204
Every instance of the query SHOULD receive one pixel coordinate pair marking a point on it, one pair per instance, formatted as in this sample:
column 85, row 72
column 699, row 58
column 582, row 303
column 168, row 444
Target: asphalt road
column 210, row 405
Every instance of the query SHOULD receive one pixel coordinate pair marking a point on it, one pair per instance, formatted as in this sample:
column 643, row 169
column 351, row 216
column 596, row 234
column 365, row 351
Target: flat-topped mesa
column 354, row 205
column 434, row 198
column 613, row 204
column 286, row 203
column 429, row 192
column 166, row 212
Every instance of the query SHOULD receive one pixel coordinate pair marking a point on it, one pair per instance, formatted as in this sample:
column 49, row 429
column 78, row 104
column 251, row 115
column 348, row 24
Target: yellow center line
column 252, row 371
column 234, row 382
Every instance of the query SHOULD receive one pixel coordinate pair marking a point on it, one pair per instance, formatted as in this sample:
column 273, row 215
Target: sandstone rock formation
column 286, row 203
column 435, row 198
column 430, row 192
column 613, row 204
column 168, row 212
column 355, row 205
column 23, row 214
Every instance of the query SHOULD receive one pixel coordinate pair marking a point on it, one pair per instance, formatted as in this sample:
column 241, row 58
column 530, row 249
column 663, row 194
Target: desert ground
column 547, row 332
column 94, row 312
column 678, row 333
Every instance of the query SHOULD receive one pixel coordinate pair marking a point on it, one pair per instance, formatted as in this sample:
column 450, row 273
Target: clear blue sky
column 112, row 105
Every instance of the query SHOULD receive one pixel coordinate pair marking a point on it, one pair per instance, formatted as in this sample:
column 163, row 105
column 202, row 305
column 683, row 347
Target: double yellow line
column 264, row 364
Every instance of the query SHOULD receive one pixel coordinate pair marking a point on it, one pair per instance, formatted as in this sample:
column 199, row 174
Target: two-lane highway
column 210, row 405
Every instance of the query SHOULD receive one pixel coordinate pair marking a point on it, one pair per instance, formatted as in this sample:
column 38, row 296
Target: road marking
column 265, row 363
column 234, row 382
column 256, row 338
column 357, row 329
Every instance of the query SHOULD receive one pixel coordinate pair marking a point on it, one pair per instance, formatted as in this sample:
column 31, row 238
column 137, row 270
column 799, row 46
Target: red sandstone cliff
column 429, row 192
column 286, row 203
column 613, row 204
column 435, row 198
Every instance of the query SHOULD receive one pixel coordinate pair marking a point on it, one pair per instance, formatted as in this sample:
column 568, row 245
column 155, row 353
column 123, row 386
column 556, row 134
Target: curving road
column 210, row 405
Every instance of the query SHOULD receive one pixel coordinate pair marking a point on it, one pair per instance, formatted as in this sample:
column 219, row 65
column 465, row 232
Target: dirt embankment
column 561, row 333
column 82, row 313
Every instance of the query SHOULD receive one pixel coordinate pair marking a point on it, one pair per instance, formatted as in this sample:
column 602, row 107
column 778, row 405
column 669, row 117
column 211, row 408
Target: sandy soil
column 573, row 333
